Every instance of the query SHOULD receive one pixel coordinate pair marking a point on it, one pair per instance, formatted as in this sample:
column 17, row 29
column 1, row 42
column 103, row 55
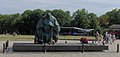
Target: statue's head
column 47, row 15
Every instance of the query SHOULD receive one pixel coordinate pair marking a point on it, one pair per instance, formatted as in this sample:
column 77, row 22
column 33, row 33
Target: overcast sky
column 98, row 7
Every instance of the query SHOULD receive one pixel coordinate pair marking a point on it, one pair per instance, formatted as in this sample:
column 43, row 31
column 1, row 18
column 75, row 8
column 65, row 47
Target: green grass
column 76, row 37
column 17, row 37
column 31, row 37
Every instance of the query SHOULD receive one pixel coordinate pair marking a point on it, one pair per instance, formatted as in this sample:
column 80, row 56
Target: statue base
column 58, row 47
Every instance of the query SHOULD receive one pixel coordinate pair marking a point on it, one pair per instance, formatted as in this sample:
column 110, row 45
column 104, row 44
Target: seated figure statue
column 47, row 30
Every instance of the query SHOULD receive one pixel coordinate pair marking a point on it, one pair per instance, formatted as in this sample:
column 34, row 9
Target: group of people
column 107, row 38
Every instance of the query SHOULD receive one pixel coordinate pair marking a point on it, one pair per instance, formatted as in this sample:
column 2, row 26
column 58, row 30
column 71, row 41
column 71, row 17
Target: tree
column 63, row 17
column 3, row 19
column 81, row 19
column 114, row 16
column 103, row 21
column 29, row 21
column 25, row 22
column 6, row 23
column 93, row 20
column 35, row 16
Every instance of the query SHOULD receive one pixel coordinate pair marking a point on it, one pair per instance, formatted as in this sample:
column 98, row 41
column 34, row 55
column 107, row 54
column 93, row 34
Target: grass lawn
column 17, row 37
column 31, row 37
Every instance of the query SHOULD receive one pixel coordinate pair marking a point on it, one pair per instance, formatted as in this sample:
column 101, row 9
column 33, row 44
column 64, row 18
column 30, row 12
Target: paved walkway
column 107, row 53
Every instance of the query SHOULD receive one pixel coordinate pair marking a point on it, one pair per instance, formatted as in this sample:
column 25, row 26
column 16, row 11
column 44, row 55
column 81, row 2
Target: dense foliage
column 25, row 23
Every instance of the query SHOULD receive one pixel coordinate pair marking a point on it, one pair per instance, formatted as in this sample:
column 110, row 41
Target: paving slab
column 107, row 53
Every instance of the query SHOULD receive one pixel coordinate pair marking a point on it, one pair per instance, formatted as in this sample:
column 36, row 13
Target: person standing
column 97, row 37
column 101, row 37
column 105, row 38
column 113, row 38
column 110, row 38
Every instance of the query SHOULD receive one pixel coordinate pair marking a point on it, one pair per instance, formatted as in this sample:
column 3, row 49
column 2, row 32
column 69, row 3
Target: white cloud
column 97, row 6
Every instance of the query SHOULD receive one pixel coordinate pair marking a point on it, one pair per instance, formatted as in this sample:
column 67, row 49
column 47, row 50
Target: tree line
column 25, row 23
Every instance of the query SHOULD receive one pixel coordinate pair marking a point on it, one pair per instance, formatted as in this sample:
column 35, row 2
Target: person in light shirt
column 113, row 38
column 110, row 38
column 105, row 38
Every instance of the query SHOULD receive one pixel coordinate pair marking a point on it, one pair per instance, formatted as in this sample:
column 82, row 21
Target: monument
column 47, row 30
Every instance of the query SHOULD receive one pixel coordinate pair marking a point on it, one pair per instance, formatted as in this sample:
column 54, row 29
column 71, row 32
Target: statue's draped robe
column 46, row 29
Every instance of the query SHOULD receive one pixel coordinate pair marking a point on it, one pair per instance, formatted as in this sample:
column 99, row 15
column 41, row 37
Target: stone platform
column 58, row 47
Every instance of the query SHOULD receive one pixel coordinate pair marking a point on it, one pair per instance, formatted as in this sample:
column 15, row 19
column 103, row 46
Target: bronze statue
column 47, row 30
